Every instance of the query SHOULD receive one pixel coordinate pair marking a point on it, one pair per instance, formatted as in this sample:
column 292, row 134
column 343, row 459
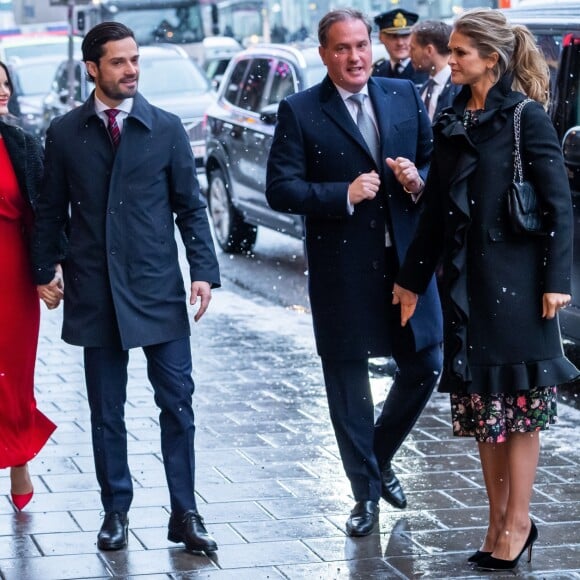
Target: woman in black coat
column 500, row 290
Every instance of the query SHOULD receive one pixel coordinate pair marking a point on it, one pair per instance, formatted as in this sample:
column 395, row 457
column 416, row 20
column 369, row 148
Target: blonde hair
column 518, row 53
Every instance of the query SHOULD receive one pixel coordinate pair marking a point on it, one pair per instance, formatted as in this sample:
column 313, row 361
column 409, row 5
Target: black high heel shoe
column 491, row 563
column 477, row 556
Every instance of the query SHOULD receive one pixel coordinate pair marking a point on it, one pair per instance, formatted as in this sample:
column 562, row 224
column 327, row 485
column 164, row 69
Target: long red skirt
column 23, row 428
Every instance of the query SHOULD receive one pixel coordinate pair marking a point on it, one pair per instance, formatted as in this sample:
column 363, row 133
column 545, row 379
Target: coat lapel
column 333, row 105
column 381, row 101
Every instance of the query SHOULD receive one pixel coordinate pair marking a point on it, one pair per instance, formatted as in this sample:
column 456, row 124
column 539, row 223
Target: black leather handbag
column 523, row 206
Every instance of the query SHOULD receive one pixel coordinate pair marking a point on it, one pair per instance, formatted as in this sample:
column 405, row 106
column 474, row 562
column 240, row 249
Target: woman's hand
column 407, row 300
column 53, row 292
column 552, row 302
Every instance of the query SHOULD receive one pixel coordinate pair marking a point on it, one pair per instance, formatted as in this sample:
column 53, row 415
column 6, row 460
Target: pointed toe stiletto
column 21, row 500
column 477, row 556
column 491, row 563
column 20, row 481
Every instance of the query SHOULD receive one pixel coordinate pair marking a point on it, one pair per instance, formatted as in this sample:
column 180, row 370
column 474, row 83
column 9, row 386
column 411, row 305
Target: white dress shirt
column 440, row 79
column 124, row 109
column 352, row 108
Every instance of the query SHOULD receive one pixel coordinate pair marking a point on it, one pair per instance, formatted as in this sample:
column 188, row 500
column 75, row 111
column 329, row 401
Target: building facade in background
column 254, row 20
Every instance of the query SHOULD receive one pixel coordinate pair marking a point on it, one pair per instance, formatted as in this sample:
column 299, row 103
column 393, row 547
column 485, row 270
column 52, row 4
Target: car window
column 216, row 67
column 255, row 84
column 61, row 81
column 283, row 82
column 574, row 90
column 79, row 69
column 34, row 78
column 234, row 87
column 314, row 75
column 550, row 46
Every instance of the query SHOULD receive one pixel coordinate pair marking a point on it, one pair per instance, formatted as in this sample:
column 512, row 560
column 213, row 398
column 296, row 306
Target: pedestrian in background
column 328, row 162
column 430, row 53
column 501, row 290
column 23, row 428
column 395, row 34
column 123, row 169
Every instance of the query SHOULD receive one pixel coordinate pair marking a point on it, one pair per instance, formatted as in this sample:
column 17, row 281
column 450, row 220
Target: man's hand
column 203, row 290
column 53, row 292
column 406, row 174
column 407, row 300
column 552, row 302
column 365, row 186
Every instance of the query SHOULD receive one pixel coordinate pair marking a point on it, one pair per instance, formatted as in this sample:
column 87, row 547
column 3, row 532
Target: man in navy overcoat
column 118, row 199
column 360, row 214
column 430, row 52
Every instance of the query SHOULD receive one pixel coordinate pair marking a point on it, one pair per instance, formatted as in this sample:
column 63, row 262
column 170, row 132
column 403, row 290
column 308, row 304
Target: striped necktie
column 428, row 93
column 113, row 126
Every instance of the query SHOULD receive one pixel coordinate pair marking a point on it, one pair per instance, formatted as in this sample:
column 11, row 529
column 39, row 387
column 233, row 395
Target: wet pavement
column 269, row 481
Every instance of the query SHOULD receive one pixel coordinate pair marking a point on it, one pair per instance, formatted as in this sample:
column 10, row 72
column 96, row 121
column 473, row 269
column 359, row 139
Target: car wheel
column 232, row 233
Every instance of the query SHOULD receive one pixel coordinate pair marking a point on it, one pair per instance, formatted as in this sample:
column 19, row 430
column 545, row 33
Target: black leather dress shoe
column 363, row 518
column 113, row 534
column 391, row 490
column 190, row 529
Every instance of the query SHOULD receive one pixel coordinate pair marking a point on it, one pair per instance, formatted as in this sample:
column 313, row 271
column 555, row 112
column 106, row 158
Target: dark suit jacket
column 382, row 68
column 316, row 152
column 123, row 283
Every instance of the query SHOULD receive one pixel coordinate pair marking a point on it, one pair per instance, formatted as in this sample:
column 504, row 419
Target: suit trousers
column 169, row 369
column 366, row 445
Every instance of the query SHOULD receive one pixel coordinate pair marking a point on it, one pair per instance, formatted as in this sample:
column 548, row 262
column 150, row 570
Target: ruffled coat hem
column 522, row 376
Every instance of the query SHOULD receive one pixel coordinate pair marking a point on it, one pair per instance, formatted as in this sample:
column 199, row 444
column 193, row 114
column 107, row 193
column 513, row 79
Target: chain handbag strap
column 518, row 169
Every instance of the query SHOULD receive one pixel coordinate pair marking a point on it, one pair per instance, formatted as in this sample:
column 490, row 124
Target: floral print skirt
column 490, row 418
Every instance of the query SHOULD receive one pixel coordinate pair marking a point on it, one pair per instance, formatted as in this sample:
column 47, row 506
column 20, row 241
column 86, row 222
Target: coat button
column 375, row 264
column 113, row 252
column 373, row 224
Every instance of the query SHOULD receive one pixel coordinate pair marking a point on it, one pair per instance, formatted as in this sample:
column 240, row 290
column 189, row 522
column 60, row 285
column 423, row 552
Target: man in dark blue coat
column 430, row 53
column 361, row 199
column 117, row 172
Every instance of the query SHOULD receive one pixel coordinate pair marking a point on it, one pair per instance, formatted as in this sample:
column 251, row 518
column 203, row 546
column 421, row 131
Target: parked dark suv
column 556, row 27
column 239, row 131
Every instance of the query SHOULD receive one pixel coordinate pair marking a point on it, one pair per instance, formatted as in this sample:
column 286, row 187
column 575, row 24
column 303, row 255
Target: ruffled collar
column 498, row 105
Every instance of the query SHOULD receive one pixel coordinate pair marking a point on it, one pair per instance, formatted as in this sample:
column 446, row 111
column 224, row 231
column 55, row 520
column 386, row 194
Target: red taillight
column 570, row 39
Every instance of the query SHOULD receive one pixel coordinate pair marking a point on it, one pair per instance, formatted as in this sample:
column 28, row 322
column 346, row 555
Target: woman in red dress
column 23, row 428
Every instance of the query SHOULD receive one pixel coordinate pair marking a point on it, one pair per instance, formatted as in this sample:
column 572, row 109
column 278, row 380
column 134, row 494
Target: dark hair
column 10, row 85
column 13, row 106
column 433, row 32
column 99, row 35
column 339, row 15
